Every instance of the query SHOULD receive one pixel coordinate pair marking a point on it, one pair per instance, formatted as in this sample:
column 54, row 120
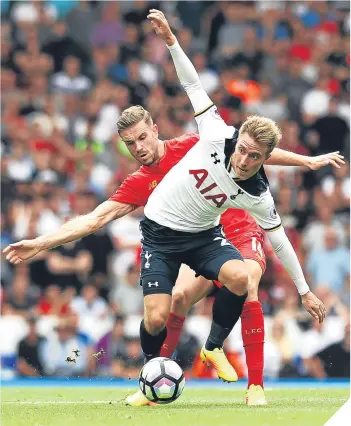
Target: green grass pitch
column 97, row 406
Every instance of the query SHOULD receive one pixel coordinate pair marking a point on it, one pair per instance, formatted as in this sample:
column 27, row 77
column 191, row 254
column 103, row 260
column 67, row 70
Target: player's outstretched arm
column 186, row 72
column 280, row 157
column 288, row 257
column 72, row 230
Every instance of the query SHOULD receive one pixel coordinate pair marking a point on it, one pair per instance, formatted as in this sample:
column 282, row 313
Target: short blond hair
column 133, row 115
column 262, row 130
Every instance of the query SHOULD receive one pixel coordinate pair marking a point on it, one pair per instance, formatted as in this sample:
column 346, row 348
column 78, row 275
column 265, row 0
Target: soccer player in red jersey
column 157, row 158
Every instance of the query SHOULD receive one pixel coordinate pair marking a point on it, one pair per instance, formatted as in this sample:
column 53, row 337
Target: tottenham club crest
column 240, row 192
column 147, row 257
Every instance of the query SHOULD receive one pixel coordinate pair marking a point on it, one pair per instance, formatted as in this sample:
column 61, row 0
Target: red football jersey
column 137, row 187
column 239, row 225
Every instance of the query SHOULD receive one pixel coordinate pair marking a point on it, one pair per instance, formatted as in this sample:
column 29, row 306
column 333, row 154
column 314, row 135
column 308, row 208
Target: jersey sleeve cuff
column 174, row 46
column 197, row 114
column 275, row 228
column 302, row 286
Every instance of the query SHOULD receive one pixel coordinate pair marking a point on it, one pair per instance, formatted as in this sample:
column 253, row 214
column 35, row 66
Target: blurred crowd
column 68, row 69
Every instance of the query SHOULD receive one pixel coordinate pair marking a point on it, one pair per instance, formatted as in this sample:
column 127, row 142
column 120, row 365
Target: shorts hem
column 147, row 292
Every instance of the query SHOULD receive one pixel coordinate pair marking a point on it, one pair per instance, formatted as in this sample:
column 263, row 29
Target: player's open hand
column 161, row 26
column 18, row 252
column 333, row 158
column 314, row 306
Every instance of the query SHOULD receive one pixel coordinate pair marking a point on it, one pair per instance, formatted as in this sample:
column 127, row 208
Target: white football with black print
column 161, row 380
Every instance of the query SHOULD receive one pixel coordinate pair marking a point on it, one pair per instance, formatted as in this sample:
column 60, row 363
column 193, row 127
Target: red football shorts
column 251, row 248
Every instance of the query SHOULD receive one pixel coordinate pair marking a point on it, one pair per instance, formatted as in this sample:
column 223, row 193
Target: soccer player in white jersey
column 224, row 170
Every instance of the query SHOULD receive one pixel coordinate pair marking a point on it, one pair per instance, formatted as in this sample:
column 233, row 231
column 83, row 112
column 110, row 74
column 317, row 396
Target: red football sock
column 252, row 330
column 174, row 330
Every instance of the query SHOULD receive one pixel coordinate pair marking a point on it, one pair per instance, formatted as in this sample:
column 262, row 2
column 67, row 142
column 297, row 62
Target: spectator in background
column 208, row 77
column 5, row 240
column 138, row 90
column 333, row 361
column 126, row 297
column 313, row 235
column 99, row 244
column 316, row 101
column 55, row 302
column 331, row 126
column 70, row 80
column 268, row 105
column 59, row 345
column 331, row 265
column 29, row 351
column 63, row 45
column 340, row 176
column 295, row 88
column 279, row 351
column 110, row 28
column 80, row 22
column 30, row 12
column 250, row 55
column 129, row 363
column 89, row 303
column 319, row 337
column 70, row 265
column 130, row 48
column 232, row 34
column 126, row 238
column 21, row 296
column 112, row 342
column 149, row 71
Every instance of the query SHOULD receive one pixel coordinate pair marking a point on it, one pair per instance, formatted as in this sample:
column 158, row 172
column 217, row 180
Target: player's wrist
column 41, row 243
column 305, row 294
column 172, row 41
column 308, row 162
column 302, row 287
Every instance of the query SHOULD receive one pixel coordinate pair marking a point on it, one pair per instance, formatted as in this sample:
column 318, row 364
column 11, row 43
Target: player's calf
column 153, row 329
column 156, row 312
column 252, row 330
column 228, row 303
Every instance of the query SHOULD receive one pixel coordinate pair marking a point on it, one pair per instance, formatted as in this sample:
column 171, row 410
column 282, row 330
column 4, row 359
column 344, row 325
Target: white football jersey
column 197, row 190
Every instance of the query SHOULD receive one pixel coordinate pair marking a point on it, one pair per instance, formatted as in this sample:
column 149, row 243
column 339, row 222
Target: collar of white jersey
column 256, row 184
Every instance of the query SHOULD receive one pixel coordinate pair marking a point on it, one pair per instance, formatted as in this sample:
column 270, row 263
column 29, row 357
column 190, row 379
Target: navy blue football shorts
column 164, row 250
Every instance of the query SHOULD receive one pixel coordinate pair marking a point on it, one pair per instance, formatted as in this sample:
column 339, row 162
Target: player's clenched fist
column 161, row 26
column 23, row 250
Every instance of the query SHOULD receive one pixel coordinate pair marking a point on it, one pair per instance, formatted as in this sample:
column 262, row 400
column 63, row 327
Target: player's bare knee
column 180, row 298
column 157, row 322
column 238, row 283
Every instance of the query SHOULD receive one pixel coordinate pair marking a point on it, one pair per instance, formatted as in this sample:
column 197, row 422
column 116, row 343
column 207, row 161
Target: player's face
column 248, row 157
column 142, row 142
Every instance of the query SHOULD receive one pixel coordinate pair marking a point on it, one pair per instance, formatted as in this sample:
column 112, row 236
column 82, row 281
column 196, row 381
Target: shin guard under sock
column 174, row 330
column 226, row 310
column 252, row 330
column 151, row 345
